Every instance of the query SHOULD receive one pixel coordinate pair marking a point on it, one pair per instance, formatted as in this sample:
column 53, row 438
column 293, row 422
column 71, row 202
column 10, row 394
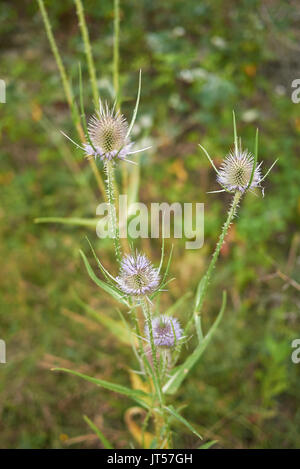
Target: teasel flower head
column 108, row 134
column 239, row 171
column 137, row 275
column 166, row 331
column 236, row 171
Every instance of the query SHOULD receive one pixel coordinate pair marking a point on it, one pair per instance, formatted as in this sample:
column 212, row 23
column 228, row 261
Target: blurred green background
column 200, row 59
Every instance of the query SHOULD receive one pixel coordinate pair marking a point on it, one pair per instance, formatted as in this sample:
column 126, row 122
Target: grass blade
column 99, row 434
column 181, row 419
column 136, row 395
column 208, row 444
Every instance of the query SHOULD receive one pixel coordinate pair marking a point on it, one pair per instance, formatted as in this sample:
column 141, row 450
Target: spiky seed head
column 107, row 131
column 166, row 331
column 137, row 275
column 236, row 170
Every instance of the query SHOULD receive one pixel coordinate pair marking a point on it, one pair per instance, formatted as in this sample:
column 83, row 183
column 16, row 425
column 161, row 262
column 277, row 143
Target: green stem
column 88, row 51
column 230, row 216
column 207, row 276
column 161, row 398
column 145, row 425
column 140, row 341
column 148, row 317
column 68, row 91
column 116, row 48
column 116, row 78
column 110, row 189
column 59, row 62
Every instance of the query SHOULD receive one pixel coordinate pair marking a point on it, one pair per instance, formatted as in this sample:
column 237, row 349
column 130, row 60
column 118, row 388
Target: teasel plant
column 156, row 337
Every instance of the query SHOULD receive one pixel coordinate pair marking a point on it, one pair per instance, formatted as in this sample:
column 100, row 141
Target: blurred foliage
column 200, row 60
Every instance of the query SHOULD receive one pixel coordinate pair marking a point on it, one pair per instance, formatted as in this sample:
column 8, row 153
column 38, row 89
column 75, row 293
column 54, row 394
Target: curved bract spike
column 139, row 151
column 74, row 143
column 235, row 137
column 269, row 170
column 209, row 158
column 254, row 159
column 136, row 106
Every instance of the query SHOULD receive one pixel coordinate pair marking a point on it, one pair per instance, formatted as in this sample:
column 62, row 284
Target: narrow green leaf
column 199, row 293
column 109, row 289
column 198, row 326
column 208, row 444
column 182, row 371
column 136, row 395
column 105, row 272
column 68, row 221
column 181, row 419
column 99, row 434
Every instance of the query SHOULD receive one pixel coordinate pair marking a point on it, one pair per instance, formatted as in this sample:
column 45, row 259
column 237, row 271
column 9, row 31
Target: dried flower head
column 166, row 331
column 236, row 170
column 108, row 134
column 137, row 275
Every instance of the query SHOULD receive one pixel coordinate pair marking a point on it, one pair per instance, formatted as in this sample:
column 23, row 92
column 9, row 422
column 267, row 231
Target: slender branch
column 116, row 76
column 162, row 419
column 116, row 56
column 59, row 62
column 231, row 214
column 68, row 91
column 88, row 50
column 207, row 276
column 147, row 314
